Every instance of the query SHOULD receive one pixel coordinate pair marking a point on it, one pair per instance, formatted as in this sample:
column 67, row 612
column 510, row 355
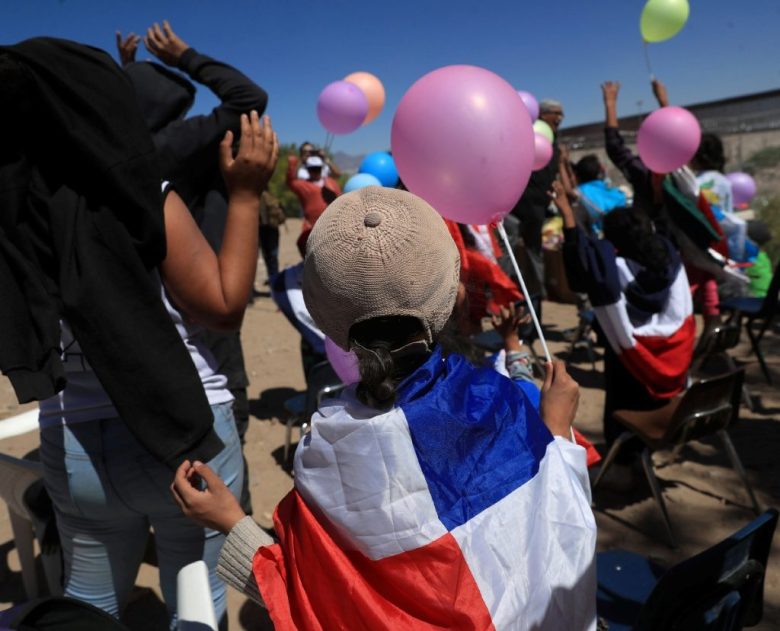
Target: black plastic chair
column 720, row 589
column 759, row 311
column 715, row 347
column 707, row 407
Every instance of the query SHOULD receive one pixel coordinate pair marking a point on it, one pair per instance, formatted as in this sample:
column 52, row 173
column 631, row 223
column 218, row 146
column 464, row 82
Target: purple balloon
column 743, row 187
column 531, row 104
column 342, row 107
column 462, row 140
column 668, row 139
column 344, row 363
column 543, row 151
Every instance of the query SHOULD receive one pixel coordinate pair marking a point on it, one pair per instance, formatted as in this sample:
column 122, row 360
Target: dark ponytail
column 381, row 369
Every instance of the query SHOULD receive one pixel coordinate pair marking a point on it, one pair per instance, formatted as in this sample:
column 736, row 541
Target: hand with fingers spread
column 127, row 47
column 609, row 90
column 213, row 506
column 164, row 44
column 247, row 173
column 507, row 321
column 560, row 399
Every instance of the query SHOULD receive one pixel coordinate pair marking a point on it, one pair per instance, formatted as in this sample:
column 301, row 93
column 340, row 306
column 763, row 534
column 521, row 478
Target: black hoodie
column 81, row 229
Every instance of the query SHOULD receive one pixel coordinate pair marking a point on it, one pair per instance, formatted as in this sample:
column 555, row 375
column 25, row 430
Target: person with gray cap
column 428, row 470
column 531, row 207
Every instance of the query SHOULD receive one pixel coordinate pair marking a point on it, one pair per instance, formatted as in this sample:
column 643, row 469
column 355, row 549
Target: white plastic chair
column 17, row 476
column 194, row 604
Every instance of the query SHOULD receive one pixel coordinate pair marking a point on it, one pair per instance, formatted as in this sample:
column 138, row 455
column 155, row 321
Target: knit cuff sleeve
column 238, row 552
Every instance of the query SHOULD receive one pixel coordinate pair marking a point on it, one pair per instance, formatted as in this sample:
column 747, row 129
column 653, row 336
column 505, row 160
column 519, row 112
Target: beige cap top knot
column 379, row 252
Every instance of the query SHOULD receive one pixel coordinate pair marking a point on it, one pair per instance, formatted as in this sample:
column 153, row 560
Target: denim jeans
column 108, row 491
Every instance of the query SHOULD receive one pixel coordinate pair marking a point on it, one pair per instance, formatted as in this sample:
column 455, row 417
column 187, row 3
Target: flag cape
column 656, row 347
column 456, row 509
column 287, row 292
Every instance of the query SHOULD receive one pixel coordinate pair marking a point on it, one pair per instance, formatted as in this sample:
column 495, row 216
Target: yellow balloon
column 543, row 128
column 663, row 19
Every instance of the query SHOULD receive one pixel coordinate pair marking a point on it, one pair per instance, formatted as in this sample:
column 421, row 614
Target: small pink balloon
column 344, row 363
column 668, row 139
column 531, row 104
column 342, row 107
column 743, row 187
column 462, row 140
column 543, row 151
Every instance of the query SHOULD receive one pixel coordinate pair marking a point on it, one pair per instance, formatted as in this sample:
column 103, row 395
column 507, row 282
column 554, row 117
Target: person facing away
column 639, row 289
column 432, row 491
column 187, row 151
column 594, row 194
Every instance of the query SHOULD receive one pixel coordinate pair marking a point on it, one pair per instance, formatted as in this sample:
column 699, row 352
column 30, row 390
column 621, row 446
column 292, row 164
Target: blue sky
column 293, row 48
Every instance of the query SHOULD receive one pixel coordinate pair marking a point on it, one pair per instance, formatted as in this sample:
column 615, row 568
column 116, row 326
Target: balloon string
column 647, row 61
column 528, row 300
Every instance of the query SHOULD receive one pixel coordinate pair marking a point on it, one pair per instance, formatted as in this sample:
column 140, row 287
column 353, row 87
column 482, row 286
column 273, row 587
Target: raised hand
column 127, row 47
column 213, row 506
column 660, row 93
column 507, row 321
column 254, row 163
column 560, row 399
column 164, row 44
column 610, row 90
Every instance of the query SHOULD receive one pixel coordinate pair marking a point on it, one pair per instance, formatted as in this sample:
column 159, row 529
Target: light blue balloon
column 381, row 165
column 360, row 180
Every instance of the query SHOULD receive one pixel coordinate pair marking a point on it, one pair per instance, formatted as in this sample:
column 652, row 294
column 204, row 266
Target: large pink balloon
column 462, row 140
column 531, row 104
column 668, row 139
column 344, row 363
column 342, row 107
column 543, row 151
column 743, row 187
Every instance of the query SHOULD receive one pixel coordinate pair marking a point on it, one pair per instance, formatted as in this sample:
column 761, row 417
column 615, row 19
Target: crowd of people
column 441, row 485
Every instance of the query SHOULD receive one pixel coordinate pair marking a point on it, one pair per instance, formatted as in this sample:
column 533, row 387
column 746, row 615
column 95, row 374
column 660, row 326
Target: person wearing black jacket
column 187, row 155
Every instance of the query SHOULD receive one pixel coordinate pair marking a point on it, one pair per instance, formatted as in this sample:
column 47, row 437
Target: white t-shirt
column 303, row 173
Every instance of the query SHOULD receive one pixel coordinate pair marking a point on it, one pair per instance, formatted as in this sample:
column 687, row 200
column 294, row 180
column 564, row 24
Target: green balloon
column 663, row 19
column 541, row 127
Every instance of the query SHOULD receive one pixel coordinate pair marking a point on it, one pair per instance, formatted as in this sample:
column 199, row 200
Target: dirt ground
column 705, row 498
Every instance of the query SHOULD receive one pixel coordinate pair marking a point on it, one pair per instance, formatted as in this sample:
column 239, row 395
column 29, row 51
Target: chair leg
column 613, row 452
column 288, row 437
column 754, row 341
column 736, row 462
column 22, row 529
column 647, row 465
column 746, row 398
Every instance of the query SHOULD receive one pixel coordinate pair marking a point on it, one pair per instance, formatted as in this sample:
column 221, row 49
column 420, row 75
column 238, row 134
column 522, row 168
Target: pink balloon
column 342, row 107
column 668, row 139
column 543, row 151
column 531, row 104
column 743, row 187
column 344, row 363
column 462, row 140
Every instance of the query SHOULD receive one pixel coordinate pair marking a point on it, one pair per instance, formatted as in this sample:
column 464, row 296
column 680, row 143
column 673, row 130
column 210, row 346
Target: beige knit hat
column 379, row 252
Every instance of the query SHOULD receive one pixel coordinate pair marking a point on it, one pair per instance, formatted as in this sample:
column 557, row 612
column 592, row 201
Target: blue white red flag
column 456, row 509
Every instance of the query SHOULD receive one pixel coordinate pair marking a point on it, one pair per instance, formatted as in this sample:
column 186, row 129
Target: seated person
column 433, row 493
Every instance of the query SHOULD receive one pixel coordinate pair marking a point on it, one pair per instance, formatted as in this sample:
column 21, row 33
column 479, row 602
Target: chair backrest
column 707, row 406
column 720, row 589
column 16, row 476
column 720, row 339
column 322, row 381
column 769, row 306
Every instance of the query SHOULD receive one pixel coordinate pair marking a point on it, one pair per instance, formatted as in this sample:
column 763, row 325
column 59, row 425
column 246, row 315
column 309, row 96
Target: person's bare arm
column 560, row 400
column 660, row 93
column 558, row 196
column 214, row 289
column 610, row 91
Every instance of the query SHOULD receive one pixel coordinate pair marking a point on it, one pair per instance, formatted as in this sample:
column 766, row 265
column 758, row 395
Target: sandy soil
column 705, row 497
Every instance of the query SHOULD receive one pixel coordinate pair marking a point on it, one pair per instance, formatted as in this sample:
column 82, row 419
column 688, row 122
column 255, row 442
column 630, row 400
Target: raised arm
column 660, row 93
column 619, row 154
column 214, row 289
